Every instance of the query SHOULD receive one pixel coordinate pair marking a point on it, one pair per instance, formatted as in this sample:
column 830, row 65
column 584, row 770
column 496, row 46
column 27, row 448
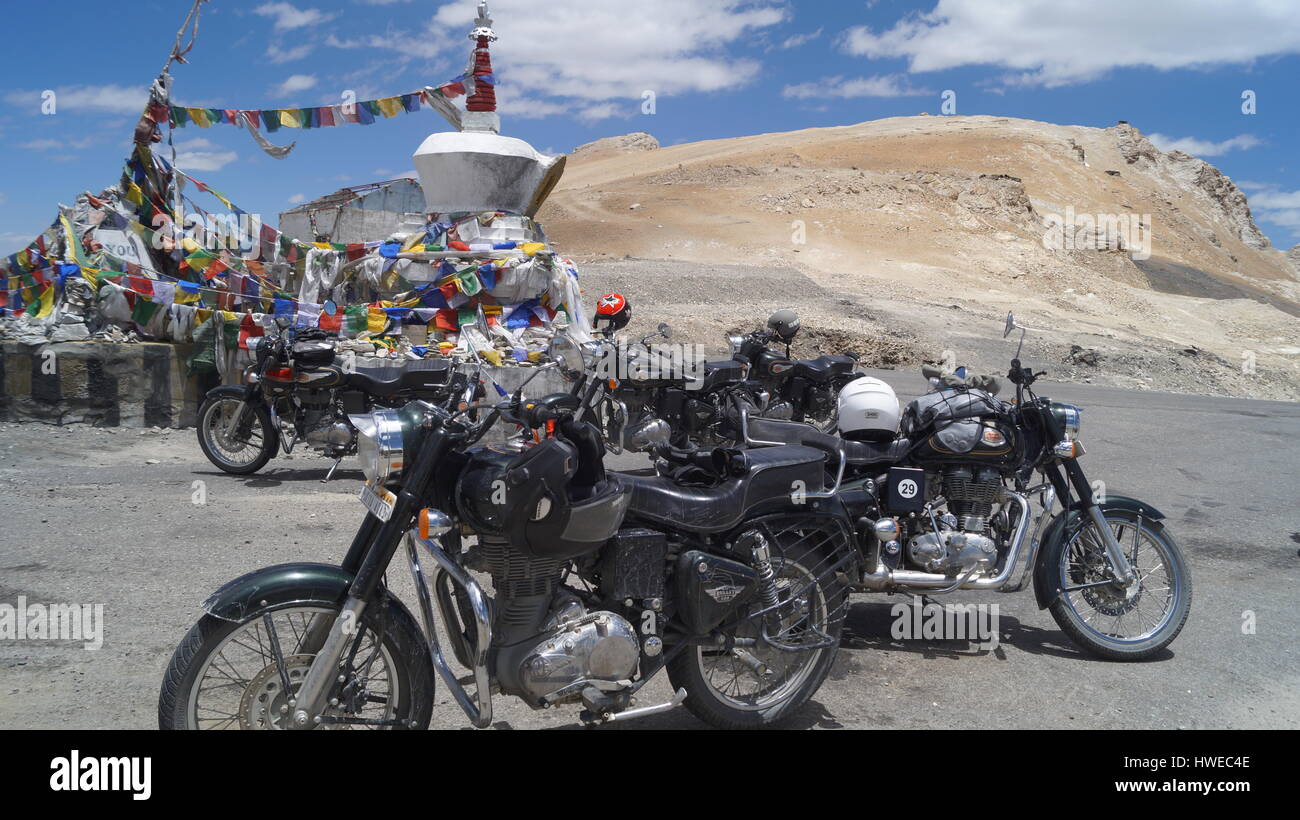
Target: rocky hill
column 910, row 236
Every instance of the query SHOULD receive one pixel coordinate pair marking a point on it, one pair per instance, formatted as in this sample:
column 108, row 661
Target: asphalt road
column 85, row 518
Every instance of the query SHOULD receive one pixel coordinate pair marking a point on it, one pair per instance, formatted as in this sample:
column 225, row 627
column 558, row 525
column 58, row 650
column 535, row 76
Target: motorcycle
column 295, row 391
column 802, row 390
column 660, row 393
column 600, row 581
column 946, row 506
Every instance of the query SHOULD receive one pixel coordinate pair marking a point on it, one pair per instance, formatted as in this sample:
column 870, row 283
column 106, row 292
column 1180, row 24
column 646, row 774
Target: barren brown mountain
column 910, row 236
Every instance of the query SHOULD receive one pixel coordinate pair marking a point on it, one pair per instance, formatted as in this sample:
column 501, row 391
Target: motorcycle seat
column 824, row 368
column 774, row 474
column 858, row 453
column 389, row 381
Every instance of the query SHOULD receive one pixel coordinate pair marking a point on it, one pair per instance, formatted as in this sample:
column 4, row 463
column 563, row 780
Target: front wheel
column 240, row 447
column 757, row 686
column 1109, row 620
column 227, row 675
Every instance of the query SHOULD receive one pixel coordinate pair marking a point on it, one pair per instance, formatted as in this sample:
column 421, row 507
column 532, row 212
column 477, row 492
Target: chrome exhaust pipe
column 884, row 578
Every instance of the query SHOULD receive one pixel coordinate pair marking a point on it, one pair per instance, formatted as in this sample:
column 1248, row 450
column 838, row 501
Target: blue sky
column 575, row 70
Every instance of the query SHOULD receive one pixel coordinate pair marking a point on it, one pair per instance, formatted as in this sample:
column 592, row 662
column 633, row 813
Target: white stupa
column 476, row 169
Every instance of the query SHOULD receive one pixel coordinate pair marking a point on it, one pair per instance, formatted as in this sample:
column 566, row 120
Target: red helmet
column 614, row 310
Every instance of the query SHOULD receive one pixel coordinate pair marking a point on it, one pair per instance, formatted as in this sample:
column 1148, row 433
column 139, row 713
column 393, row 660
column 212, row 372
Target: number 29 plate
column 378, row 500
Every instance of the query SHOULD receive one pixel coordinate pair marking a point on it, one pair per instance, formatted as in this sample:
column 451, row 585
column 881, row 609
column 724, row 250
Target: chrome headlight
column 1069, row 416
column 733, row 344
column 379, row 444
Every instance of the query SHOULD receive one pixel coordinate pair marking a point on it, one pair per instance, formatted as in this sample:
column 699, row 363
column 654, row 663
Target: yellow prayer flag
column 289, row 118
column 376, row 320
column 532, row 248
column 201, row 315
column 391, row 106
column 199, row 116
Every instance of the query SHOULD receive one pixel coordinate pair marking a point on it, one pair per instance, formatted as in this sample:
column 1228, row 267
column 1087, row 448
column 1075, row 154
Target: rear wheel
column 240, row 447
column 761, row 686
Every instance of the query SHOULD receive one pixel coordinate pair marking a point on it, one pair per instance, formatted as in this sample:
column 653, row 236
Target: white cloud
column 603, row 111
column 293, row 84
column 614, row 49
column 1204, row 148
column 797, row 40
column 1058, row 42
column 59, row 145
column 113, row 98
column 381, row 2
column 297, row 199
column 288, row 16
column 888, row 85
column 278, row 55
column 200, row 154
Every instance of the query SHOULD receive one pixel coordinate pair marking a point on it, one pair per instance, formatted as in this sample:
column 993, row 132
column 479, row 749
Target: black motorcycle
column 660, row 393
column 946, row 506
column 297, row 391
column 802, row 390
column 600, row 581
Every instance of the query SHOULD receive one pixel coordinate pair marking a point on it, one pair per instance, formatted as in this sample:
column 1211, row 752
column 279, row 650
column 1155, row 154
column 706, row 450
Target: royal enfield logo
column 723, row 594
column 75, row 773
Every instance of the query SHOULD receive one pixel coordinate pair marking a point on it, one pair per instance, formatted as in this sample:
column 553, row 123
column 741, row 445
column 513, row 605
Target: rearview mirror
column 665, row 330
column 567, row 354
column 1011, row 324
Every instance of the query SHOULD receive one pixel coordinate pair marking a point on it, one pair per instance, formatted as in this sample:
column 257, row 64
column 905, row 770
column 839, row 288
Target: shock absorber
column 766, row 580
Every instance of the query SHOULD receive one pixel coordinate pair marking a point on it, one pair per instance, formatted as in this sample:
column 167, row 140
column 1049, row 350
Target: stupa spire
column 482, row 104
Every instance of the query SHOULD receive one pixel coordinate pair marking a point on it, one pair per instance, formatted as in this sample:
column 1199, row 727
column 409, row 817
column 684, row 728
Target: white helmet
column 868, row 410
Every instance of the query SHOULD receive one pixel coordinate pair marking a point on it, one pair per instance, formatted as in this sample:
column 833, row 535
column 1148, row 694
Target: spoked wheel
column 246, row 675
column 760, row 685
column 242, row 448
column 1108, row 619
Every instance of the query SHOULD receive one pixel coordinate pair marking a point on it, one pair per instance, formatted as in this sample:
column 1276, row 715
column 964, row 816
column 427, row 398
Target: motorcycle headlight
column 1068, row 416
column 734, row 343
column 379, row 444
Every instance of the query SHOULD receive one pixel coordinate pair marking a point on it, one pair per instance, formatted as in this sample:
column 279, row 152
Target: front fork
column 1119, row 562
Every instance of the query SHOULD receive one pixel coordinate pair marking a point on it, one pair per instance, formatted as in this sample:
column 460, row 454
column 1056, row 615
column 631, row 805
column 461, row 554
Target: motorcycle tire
column 262, row 419
column 403, row 645
column 719, row 710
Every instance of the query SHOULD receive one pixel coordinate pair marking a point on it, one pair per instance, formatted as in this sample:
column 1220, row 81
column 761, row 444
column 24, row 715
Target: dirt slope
column 934, row 226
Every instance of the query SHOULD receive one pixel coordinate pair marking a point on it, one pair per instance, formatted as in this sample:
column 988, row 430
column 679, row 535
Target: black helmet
column 562, row 503
column 613, row 309
column 784, row 323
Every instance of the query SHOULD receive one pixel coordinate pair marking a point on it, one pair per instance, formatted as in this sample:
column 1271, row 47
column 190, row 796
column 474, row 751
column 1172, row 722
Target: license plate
column 379, row 501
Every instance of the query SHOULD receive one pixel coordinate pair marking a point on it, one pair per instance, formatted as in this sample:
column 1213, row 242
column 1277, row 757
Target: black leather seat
column 824, row 368
column 774, row 474
column 389, row 381
column 858, row 453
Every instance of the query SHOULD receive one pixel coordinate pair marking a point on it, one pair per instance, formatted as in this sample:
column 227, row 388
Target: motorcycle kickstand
column 330, row 474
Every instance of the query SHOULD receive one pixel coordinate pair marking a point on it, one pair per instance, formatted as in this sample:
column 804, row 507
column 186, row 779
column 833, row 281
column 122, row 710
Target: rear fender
column 1058, row 532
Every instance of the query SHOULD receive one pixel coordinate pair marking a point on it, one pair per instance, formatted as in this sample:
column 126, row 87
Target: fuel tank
column 981, row 441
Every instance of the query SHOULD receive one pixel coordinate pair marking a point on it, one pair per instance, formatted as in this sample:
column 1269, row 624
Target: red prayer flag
column 249, row 329
column 332, row 323
column 326, row 117
column 141, row 285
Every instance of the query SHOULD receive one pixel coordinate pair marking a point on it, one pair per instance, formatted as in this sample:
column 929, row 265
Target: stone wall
column 99, row 383
column 142, row 385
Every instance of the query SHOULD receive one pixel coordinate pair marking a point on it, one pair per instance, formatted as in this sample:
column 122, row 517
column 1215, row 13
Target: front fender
column 1058, row 531
column 272, row 587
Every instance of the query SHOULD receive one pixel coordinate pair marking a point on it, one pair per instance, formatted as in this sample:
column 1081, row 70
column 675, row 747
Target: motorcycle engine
column 546, row 644
column 963, row 541
column 582, row 649
column 323, row 428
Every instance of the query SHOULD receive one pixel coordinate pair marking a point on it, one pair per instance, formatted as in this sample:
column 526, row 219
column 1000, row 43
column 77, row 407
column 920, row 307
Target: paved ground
column 85, row 517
